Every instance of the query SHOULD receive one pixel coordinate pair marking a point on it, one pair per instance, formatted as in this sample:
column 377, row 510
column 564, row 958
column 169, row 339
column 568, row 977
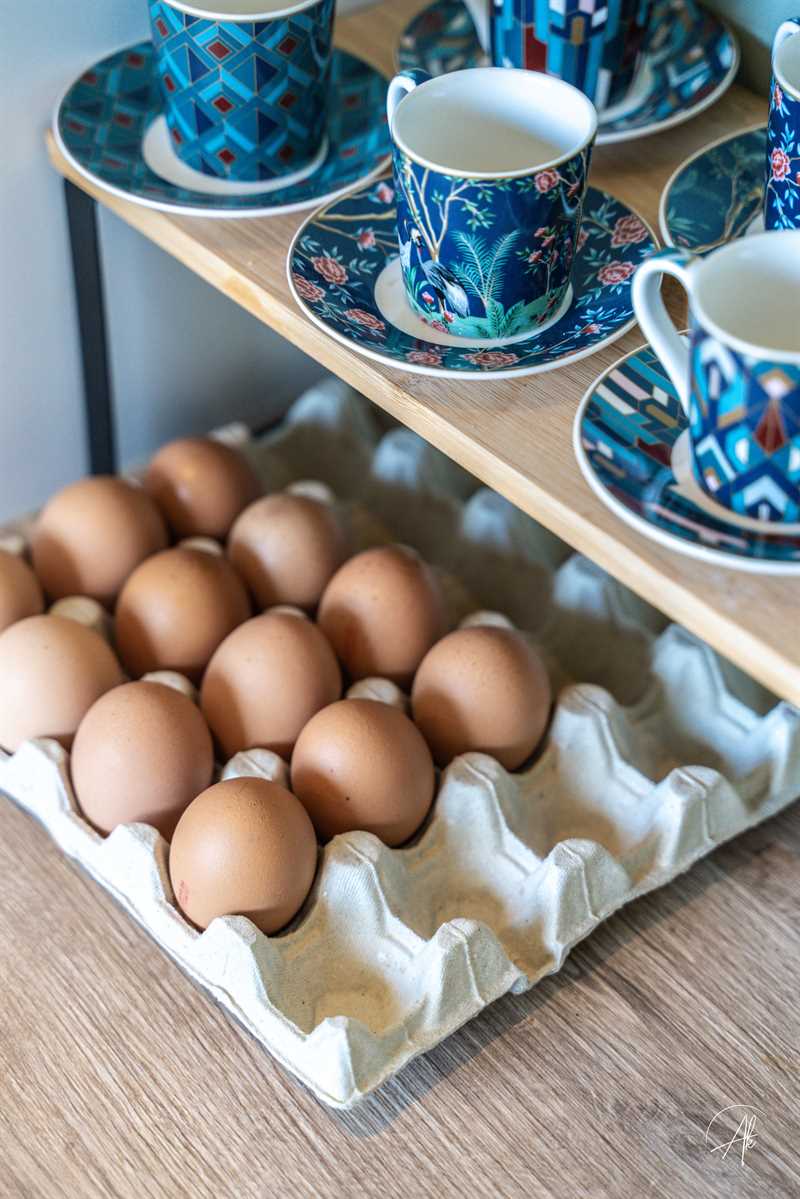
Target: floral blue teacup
column 245, row 85
column 490, row 174
column 738, row 379
column 782, row 192
column 594, row 44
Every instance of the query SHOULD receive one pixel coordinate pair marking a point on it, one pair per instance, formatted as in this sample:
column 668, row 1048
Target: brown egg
column 245, row 847
column 267, row 680
column 381, row 612
column 90, row 536
column 175, row 609
column 361, row 764
column 52, row 671
column 286, row 547
column 201, row 486
column 485, row 689
column 20, row 592
column 141, row 754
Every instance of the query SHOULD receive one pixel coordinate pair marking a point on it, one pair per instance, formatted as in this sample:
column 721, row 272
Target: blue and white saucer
column 111, row 127
column 716, row 195
column 632, row 444
column 691, row 60
column 344, row 270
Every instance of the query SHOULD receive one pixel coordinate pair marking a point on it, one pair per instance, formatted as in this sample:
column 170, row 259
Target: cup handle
column 400, row 86
column 786, row 30
column 654, row 319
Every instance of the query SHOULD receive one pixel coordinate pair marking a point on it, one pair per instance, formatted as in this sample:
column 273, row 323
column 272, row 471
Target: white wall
column 184, row 358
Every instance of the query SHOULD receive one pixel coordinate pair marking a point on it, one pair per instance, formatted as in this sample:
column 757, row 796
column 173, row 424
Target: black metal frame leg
column 85, row 246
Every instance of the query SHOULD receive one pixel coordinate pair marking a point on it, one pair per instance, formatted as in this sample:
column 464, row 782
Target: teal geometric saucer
column 717, row 195
column 110, row 125
column 632, row 444
column 691, row 60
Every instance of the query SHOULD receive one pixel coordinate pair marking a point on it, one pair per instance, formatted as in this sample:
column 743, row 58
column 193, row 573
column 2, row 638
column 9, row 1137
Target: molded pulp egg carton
column 658, row 752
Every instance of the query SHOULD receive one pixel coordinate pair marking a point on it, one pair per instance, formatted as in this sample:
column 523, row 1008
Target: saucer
column 717, row 194
column 345, row 274
column 628, row 439
column 691, row 61
column 110, row 125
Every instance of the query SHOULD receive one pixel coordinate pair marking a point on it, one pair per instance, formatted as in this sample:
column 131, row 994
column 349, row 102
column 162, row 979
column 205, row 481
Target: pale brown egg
column 361, row 764
column 52, row 671
column 485, row 689
column 381, row 612
column 286, row 547
column 89, row 537
column 201, row 486
column 141, row 754
column 245, row 847
column 175, row 609
column 20, row 591
column 267, row 680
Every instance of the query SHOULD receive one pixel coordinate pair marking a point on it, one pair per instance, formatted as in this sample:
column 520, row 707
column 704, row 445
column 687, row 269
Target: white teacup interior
column 489, row 121
column 750, row 290
column 787, row 63
column 240, row 9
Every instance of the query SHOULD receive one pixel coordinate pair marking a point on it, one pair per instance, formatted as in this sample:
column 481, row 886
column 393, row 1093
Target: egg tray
column 658, row 751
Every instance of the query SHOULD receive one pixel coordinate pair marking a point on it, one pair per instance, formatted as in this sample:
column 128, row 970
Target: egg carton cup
column 658, row 751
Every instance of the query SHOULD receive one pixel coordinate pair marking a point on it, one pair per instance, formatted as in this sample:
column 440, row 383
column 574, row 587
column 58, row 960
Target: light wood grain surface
column 119, row 1078
column 514, row 435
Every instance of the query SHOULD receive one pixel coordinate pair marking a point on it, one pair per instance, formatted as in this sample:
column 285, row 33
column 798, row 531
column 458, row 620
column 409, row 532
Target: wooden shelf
column 516, row 436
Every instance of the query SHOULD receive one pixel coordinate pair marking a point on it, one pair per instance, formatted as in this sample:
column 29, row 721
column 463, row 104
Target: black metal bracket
column 87, row 273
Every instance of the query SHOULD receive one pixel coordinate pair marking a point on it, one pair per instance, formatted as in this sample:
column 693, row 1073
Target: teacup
column 782, row 191
column 596, row 45
column 245, row 84
column 490, row 175
column 738, row 378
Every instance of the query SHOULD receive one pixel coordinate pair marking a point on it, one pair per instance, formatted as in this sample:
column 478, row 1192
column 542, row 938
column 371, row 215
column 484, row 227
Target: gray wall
column 184, row 357
column 755, row 22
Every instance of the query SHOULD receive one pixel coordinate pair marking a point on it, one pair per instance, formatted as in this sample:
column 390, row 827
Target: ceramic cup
column 245, row 84
column 738, row 378
column 490, row 175
column 596, row 45
column 782, row 192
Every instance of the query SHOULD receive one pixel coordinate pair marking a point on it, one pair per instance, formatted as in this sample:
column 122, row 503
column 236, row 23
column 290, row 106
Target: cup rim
column 746, row 348
column 209, row 14
column 522, row 172
column 792, row 88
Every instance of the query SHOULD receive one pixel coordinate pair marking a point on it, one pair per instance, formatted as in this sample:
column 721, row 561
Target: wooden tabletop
column 119, row 1078
column 515, row 435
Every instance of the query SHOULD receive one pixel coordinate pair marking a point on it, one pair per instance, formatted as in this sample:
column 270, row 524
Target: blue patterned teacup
column 245, row 85
column 490, row 175
column 596, row 45
column 738, row 379
column 782, row 191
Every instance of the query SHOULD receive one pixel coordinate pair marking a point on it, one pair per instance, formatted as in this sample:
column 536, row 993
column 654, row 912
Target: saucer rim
column 663, row 224
column 445, row 373
column 690, row 549
column 628, row 135
column 259, row 209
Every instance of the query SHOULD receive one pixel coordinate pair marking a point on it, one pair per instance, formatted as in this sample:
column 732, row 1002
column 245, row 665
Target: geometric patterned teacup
column 782, row 191
column 596, row 45
column 245, row 85
column 738, row 380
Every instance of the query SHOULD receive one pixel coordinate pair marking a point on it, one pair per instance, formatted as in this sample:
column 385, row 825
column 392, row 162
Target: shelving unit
column 516, row 436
